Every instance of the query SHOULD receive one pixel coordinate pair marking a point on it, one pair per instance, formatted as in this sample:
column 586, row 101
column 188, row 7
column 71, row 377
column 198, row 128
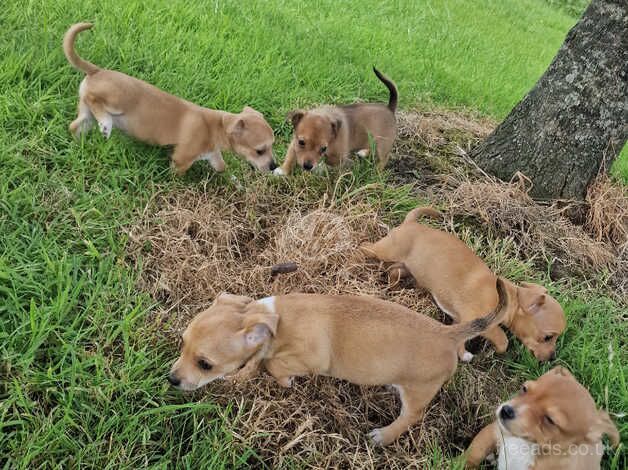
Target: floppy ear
column 248, row 109
column 530, row 299
column 336, row 124
column 560, row 370
column 603, row 425
column 259, row 328
column 235, row 127
column 531, row 285
column 226, row 298
column 295, row 117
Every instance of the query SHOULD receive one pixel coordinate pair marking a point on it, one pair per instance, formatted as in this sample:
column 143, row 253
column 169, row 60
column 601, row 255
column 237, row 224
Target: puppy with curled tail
column 116, row 100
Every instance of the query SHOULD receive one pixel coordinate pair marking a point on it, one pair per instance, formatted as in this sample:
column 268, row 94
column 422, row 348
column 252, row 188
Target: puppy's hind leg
column 383, row 146
column 383, row 250
column 85, row 119
column 414, row 399
column 104, row 118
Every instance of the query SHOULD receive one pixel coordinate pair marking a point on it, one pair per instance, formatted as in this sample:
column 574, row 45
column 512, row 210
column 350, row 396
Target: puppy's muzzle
column 272, row 165
column 174, row 380
column 507, row 413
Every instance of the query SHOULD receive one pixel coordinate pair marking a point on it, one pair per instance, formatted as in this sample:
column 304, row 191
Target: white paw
column 363, row 153
column 105, row 128
column 466, row 357
column 376, row 436
column 279, row 171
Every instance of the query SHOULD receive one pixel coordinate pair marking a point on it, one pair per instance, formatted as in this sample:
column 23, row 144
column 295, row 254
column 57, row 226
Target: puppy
column 333, row 132
column 552, row 424
column 464, row 287
column 116, row 100
column 357, row 338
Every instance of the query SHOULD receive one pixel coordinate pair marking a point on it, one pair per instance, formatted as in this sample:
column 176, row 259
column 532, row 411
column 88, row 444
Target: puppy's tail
column 422, row 212
column 70, row 53
column 392, row 99
column 465, row 331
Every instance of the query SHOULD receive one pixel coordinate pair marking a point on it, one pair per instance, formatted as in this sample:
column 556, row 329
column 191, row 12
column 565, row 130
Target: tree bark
column 573, row 123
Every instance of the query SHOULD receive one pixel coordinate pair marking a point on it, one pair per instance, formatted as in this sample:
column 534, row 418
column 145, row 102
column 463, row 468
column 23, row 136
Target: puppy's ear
column 225, row 298
column 248, row 109
column 560, row 370
column 259, row 327
column 336, row 124
column 603, row 425
column 235, row 127
column 531, row 285
column 530, row 299
column 295, row 117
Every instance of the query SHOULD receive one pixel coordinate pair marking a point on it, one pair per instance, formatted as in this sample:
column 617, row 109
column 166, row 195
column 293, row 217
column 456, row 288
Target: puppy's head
column 220, row 340
column 555, row 409
column 251, row 137
column 314, row 133
column 539, row 321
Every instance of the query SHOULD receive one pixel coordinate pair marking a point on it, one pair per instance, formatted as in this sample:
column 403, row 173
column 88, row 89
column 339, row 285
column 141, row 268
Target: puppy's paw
column 286, row 381
column 491, row 458
column 378, row 437
column 279, row 171
column 363, row 153
column 105, row 129
column 466, row 357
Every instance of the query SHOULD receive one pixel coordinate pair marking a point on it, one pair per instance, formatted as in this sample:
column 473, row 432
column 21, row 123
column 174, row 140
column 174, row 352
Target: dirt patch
column 194, row 244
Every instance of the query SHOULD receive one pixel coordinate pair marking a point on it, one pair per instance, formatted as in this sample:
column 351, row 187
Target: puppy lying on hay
column 192, row 245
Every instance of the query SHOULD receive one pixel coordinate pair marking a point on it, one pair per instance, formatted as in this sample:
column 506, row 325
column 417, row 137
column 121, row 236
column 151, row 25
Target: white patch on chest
column 515, row 453
column 269, row 303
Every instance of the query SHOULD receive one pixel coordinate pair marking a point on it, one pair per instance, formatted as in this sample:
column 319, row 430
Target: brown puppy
column 462, row 285
column 334, row 132
column 357, row 338
column 553, row 424
column 145, row 112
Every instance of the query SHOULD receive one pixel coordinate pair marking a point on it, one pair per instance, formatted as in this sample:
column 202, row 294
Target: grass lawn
column 82, row 370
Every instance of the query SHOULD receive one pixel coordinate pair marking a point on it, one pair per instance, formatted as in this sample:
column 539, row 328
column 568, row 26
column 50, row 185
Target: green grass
column 82, row 370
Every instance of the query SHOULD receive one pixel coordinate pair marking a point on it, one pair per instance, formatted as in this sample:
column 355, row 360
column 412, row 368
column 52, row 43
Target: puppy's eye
column 549, row 420
column 203, row 364
column 301, row 143
column 524, row 389
column 548, row 338
column 260, row 151
column 323, row 149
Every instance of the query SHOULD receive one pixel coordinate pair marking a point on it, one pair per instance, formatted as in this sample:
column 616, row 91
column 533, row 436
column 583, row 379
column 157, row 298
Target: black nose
column 174, row 380
column 308, row 166
column 507, row 412
column 272, row 165
column 552, row 356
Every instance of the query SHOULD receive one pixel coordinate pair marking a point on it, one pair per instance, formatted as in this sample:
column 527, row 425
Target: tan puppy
column 357, row 338
column 334, row 132
column 462, row 285
column 116, row 100
column 553, row 424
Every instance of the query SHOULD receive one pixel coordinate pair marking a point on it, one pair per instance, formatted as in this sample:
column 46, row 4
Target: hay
column 193, row 245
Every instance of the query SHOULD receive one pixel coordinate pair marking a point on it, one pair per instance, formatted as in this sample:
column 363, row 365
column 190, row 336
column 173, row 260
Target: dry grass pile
column 194, row 244
column 432, row 154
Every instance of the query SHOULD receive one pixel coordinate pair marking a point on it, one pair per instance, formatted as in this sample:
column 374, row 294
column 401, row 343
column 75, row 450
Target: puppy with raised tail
column 553, row 424
column 463, row 286
column 361, row 339
column 116, row 100
column 333, row 132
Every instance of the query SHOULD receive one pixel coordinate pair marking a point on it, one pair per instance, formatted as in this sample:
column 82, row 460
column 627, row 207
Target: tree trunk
column 574, row 121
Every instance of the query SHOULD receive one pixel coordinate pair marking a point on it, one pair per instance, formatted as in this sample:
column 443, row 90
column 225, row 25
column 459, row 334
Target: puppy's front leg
column 497, row 336
column 215, row 160
column 282, row 372
column 481, row 446
column 288, row 163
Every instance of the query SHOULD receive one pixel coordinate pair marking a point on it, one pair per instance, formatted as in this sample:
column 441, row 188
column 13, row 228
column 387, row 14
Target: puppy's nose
column 552, row 356
column 308, row 166
column 174, row 380
column 507, row 412
column 272, row 165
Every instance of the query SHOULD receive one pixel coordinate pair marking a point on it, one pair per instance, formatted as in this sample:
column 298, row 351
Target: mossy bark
column 574, row 121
